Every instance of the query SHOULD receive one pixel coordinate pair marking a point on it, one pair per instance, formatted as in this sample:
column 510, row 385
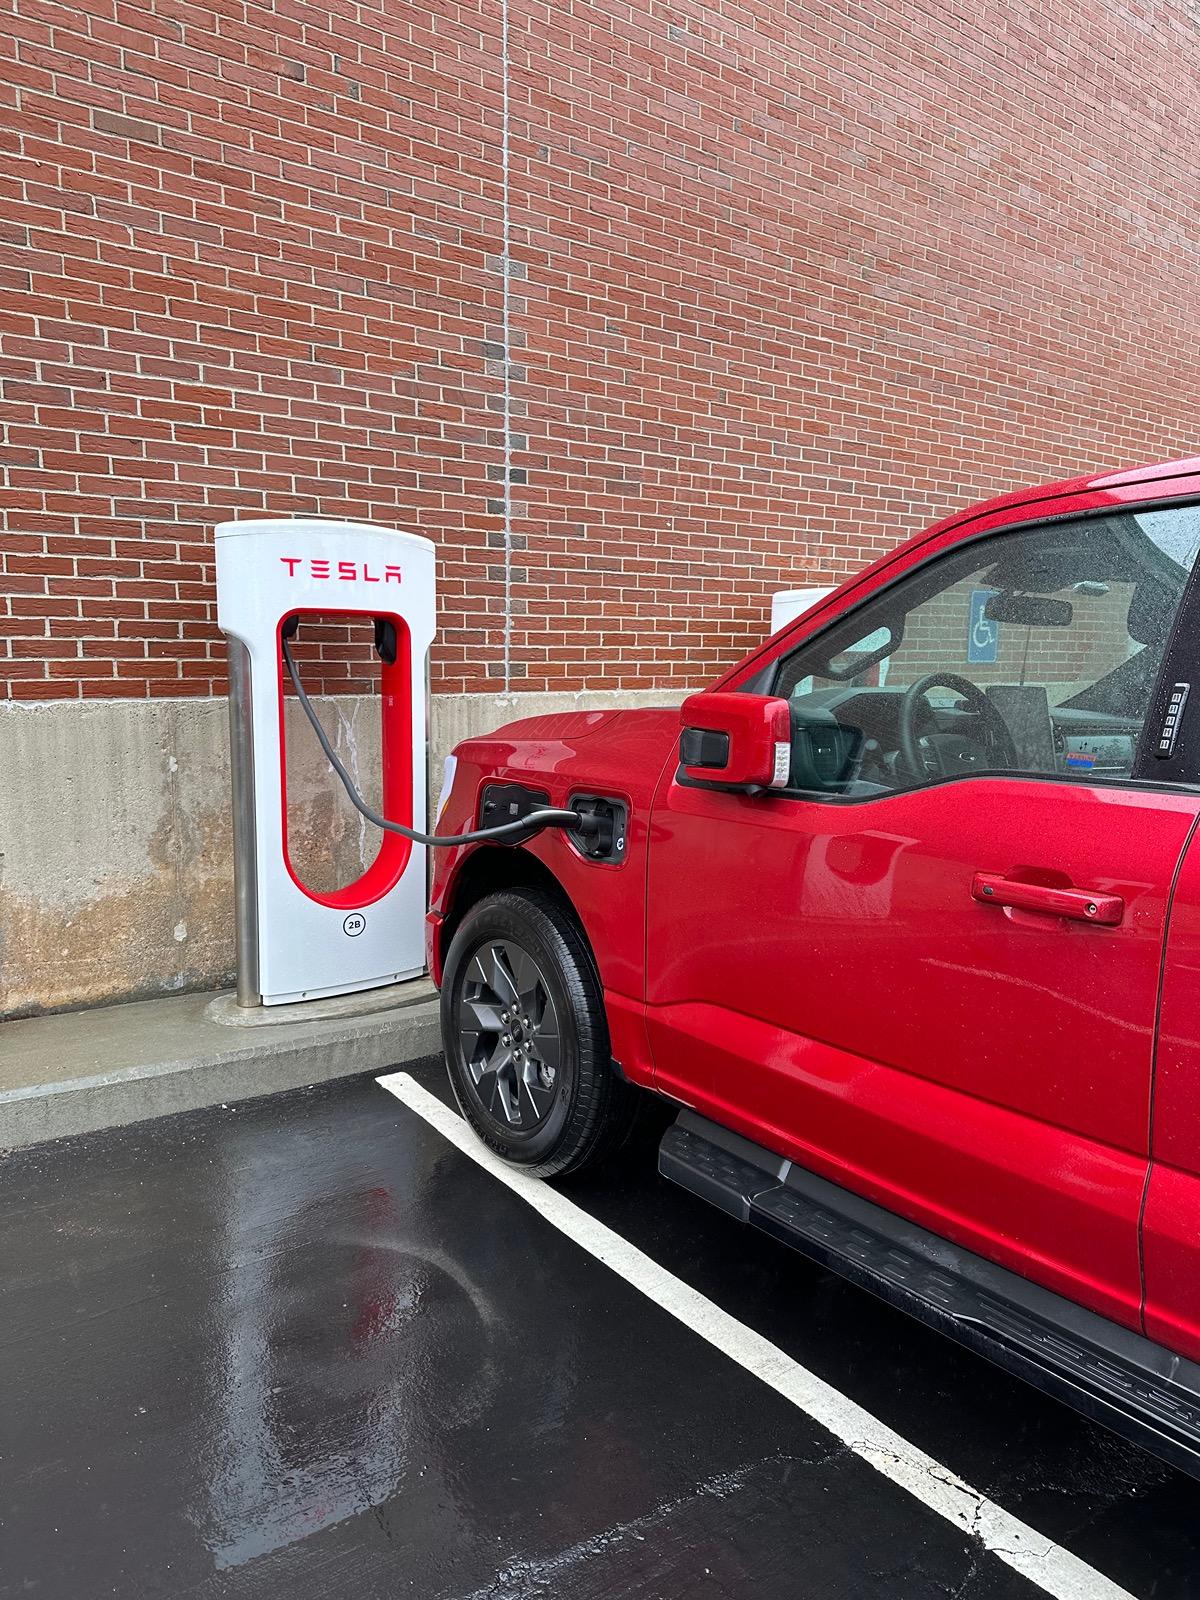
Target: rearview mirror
column 736, row 741
column 1029, row 610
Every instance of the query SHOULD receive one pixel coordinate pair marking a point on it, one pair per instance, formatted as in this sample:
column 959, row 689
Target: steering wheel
column 952, row 755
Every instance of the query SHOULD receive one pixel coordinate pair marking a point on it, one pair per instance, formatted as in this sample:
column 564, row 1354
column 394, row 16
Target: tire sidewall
column 517, row 918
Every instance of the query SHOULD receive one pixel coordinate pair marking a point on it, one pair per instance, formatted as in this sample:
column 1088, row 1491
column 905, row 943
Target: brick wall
column 784, row 282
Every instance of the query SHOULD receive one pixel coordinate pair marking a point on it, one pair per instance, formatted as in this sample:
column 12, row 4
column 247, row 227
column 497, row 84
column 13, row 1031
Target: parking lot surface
column 303, row 1346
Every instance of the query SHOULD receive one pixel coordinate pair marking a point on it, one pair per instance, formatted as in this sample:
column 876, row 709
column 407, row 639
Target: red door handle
column 993, row 889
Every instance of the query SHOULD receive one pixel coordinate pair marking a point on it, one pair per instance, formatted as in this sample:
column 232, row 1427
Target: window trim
column 1181, row 772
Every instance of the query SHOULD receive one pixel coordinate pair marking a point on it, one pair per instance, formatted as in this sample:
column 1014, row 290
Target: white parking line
column 1053, row 1569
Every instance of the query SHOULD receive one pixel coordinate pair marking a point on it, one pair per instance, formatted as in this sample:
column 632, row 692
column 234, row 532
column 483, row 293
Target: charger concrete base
column 224, row 1008
column 75, row 1072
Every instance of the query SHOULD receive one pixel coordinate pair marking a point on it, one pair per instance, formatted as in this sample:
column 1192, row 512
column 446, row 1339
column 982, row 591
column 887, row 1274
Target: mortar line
column 505, row 334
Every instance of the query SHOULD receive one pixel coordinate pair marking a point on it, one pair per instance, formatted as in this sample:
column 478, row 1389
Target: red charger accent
column 396, row 760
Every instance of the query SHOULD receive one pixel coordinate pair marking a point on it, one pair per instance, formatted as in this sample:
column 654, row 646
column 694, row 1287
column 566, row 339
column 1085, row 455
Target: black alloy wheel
column 508, row 1034
column 526, row 1038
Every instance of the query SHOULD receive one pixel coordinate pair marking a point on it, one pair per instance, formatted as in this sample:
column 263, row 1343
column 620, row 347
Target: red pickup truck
column 904, row 913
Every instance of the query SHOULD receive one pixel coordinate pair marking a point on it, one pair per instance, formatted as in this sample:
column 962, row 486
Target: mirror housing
column 736, row 741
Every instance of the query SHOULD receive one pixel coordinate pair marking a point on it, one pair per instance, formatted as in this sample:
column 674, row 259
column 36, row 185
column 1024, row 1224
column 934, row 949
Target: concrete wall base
column 116, row 869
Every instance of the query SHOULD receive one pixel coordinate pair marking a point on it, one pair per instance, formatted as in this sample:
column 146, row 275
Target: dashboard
column 1059, row 739
column 1094, row 741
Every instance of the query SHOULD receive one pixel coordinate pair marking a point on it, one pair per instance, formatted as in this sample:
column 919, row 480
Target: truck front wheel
column 526, row 1038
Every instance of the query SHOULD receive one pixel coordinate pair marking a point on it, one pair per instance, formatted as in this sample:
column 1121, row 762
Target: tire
column 534, row 1079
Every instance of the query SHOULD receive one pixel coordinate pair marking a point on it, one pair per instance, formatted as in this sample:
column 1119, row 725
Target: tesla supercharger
column 294, row 942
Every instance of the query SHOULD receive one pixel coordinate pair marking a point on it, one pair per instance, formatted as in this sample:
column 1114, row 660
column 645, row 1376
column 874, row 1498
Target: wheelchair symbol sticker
column 354, row 924
column 983, row 636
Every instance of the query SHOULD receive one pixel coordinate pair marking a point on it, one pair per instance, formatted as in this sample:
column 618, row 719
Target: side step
column 1113, row 1376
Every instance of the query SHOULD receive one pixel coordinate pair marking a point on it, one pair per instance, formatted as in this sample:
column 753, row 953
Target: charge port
column 604, row 825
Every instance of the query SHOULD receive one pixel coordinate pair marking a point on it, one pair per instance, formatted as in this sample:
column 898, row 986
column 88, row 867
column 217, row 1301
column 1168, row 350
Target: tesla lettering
column 342, row 571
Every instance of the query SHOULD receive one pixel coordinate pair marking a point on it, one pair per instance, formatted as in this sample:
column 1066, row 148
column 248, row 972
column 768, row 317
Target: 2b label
column 354, row 924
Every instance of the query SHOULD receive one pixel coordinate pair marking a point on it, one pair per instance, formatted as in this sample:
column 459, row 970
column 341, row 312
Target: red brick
column 793, row 286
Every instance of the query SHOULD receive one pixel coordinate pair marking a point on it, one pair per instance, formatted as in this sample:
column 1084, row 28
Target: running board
column 1113, row 1376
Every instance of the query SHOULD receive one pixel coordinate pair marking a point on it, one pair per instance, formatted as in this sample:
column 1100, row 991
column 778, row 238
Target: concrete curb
column 81, row 1071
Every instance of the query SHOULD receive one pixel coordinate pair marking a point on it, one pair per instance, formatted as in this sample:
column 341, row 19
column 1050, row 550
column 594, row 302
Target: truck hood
column 555, row 725
column 572, row 726
column 590, row 748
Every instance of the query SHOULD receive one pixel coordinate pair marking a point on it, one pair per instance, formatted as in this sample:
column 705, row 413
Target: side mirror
column 736, row 741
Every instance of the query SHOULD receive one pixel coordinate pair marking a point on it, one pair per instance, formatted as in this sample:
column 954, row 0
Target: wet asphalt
column 301, row 1346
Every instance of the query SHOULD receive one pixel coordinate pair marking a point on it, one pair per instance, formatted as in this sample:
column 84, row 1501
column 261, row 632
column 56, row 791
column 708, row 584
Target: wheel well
column 492, row 868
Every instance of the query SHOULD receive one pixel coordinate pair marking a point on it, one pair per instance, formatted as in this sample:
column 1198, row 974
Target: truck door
column 1171, row 1223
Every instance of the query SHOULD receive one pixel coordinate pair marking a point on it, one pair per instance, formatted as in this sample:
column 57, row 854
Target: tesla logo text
column 341, row 571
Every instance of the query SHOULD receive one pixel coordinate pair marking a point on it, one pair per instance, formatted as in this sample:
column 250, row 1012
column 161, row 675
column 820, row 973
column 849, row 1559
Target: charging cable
column 548, row 817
